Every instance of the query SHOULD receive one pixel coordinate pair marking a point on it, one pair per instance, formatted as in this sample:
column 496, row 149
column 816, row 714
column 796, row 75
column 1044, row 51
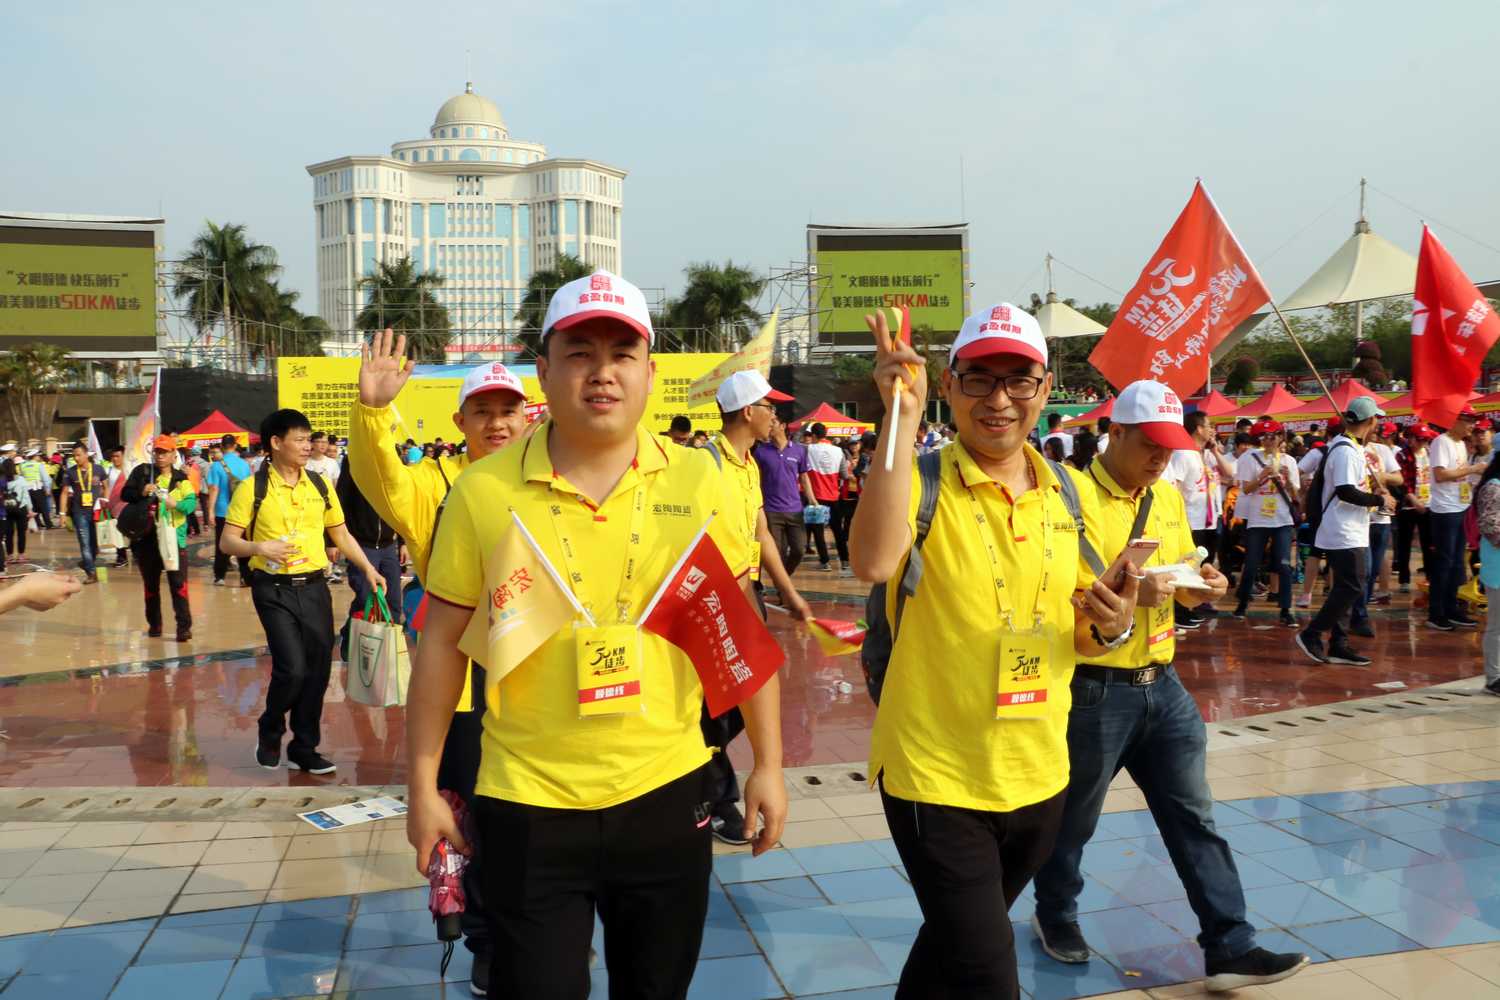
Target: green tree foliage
column 719, row 299
column 223, row 261
column 1241, row 374
column 539, row 291
column 31, row 376
column 399, row 298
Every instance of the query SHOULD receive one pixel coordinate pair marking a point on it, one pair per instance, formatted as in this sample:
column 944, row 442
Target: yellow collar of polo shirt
column 970, row 474
column 1103, row 478
column 536, row 460
column 727, row 449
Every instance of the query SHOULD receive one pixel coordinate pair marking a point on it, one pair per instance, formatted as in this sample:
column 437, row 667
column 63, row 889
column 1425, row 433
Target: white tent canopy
column 1366, row 267
column 1059, row 320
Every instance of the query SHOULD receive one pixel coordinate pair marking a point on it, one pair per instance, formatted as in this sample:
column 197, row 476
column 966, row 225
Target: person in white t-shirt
column 1385, row 473
column 322, row 462
column 1268, row 481
column 1451, row 493
column 1102, row 435
column 1056, row 433
column 1312, row 556
column 1197, row 473
column 1344, row 534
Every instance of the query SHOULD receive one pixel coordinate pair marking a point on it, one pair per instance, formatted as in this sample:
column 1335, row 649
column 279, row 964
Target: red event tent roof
column 1271, row 403
column 215, row 426
column 1401, row 406
column 1213, row 404
column 1104, row 409
column 1346, row 393
column 838, row 425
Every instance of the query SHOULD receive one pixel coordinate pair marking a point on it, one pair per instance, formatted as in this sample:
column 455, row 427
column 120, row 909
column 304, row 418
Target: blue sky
column 1080, row 126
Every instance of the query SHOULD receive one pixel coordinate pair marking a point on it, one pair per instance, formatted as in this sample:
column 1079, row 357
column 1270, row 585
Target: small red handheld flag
column 837, row 638
column 701, row 610
column 1197, row 287
column 1452, row 329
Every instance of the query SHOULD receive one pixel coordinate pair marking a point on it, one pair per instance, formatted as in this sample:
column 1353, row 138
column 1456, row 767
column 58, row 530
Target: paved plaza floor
column 142, row 854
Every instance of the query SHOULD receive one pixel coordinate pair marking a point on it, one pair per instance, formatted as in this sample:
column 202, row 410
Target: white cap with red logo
column 1000, row 329
column 492, row 377
column 599, row 296
column 745, row 387
column 1155, row 409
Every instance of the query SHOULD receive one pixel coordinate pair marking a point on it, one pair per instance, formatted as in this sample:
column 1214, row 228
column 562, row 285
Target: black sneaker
column 1342, row 653
column 1063, row 942
column 728, row 824
column 1312, row 645
column 1440, row 625
column 1363, row 629
column 479, row 975
column 1492, row 688
column 1290, row 620
column 1255, row 967
column 268, row 757
column 1238, row 614
column 312, row 763
column 1463, row 621
column 1189, row 621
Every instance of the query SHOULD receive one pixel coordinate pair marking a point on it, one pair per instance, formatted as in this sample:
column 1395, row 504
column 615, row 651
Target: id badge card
column 1424, row 492
column 1025, row 675
column 1268, row 507
column 297, row 559
column 1163, row 627
column 1465, row 491
column 86, row 498
column 609, row 661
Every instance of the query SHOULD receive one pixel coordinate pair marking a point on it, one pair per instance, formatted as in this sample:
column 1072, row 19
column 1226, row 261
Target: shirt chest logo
column 672, row 509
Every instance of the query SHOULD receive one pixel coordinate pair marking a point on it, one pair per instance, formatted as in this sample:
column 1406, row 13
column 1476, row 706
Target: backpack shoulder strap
column 930, row 482
column 321, row 484
column 447, row 483
column 1070, row 500
column 262, row 484
column 713, row 450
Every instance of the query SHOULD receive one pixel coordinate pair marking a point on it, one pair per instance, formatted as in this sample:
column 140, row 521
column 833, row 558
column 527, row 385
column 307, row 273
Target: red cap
column 780, row 397
column 1388, row 428
column 1425, row 433
column 1467, row 413
column 1484, row 424
column 1266, row 425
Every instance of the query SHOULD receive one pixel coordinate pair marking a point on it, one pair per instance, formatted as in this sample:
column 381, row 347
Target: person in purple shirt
column 786, row 489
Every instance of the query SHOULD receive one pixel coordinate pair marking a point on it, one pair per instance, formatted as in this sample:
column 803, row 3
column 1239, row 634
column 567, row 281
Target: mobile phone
column 1137, row 552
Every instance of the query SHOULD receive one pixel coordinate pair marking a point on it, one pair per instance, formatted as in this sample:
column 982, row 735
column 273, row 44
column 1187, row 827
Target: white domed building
column 471, row 203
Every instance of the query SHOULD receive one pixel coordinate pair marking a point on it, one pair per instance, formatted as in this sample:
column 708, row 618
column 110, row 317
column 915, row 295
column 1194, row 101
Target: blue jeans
column 1156, row 733
column 1281, row 562
column 88, row 539
column 387, row 563
column 1446, row 574
column 1380, row 540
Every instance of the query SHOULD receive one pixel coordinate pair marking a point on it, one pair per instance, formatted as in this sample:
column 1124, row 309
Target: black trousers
column 298, row 620
column 15, row 533
column 458, row 771
column 1411, row 522
column 842, row 517
column 643, row 864
column 1350, row 569
column 967, row 868
column 148, row 561
column 791, row 538
column 41, row 506
column 221, row 559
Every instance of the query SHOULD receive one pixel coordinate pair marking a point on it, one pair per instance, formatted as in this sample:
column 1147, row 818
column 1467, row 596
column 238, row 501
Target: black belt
column 1135, row 677
column 288, row 579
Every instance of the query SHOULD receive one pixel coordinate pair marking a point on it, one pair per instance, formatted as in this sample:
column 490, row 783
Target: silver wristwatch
column 1117, row 641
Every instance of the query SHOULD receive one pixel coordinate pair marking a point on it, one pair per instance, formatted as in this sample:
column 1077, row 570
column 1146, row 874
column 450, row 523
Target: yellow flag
column 526, row 604
column 756, row 354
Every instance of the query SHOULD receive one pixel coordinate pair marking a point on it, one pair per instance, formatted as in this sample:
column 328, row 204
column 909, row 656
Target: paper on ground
column 354, row 813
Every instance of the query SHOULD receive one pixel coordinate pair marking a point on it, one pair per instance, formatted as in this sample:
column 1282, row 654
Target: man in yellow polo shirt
column 970, row 744
column 1130, row 710
column 276, row 519
column 746, row 408
column 491, row 414
column 604, row 812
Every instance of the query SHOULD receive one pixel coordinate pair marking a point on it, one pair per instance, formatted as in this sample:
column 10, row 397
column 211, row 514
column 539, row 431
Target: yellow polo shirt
column 536, row 750
column 936, row 738
column 744, row 479
column 406, row 497
column 297, row 511
column 1153, row 641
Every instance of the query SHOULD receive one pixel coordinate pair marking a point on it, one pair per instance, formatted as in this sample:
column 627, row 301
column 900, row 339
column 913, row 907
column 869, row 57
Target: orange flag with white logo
column 526, row 603
column 1197, row 287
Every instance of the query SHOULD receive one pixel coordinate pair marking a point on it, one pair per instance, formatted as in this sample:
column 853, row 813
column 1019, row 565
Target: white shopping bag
column 379, row 669
column 166, row 540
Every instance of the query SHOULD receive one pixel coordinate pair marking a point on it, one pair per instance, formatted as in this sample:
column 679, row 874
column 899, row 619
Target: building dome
column 469, row 108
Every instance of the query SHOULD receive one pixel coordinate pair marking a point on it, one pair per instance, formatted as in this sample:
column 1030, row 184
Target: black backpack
column 880, row 632
column 263, row 483
column 1316, row 505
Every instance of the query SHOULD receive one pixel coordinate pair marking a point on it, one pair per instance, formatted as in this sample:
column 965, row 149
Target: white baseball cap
column 745, row 387
column 493, row 377
column 1155, row 409
column 599, row 296
column 7, row 446
column 1000, row 329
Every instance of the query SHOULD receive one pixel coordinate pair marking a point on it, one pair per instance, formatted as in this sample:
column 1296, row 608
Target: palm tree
column 222, row 260
column 31, row 377
column 533, row 311
column 720, row 299
column 401, row 299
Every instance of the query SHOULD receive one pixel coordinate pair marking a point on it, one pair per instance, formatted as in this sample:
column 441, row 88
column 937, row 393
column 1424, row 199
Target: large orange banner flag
column 1198, row 286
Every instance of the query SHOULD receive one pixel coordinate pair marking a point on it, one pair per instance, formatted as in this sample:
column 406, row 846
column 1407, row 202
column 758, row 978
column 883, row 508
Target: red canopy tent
column 1401, row 406
column 1104, row 409
column 1317, row 408
column 838, row 425
column 212, row 428
column 1274, row 402
column 1214, row 404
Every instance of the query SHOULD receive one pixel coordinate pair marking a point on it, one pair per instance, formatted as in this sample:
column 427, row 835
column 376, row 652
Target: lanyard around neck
column 1003, row 601
column 632, row 551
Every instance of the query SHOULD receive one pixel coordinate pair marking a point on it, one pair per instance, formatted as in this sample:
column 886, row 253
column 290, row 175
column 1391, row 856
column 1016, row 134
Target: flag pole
column 1303, row 351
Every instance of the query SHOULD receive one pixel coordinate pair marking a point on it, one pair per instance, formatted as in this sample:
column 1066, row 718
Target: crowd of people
column 1036, row 583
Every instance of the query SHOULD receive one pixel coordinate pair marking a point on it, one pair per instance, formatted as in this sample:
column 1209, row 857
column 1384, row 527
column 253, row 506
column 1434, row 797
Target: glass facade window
column 446, row 155
column 367, row 215
column 367, row 257
column 523, row 223
column 468, row 131
column 469, row 155
column 570, row 218
column 417, row 218
column 437, row 220
column 502, row 220
column 349, row 213
column 525, row 264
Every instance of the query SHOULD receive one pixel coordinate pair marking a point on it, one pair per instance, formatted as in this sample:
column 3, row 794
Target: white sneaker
column 1304, row 600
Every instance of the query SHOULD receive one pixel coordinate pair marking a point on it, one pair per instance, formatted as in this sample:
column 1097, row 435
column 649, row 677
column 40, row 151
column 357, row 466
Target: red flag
column 838, row 637
column 1198, row 286
column 1452, row 329
column 701, row 610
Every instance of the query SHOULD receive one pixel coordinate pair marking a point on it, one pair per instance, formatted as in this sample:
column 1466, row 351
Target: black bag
column 136, row 520
column 1316, row 505
column 880, row 632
